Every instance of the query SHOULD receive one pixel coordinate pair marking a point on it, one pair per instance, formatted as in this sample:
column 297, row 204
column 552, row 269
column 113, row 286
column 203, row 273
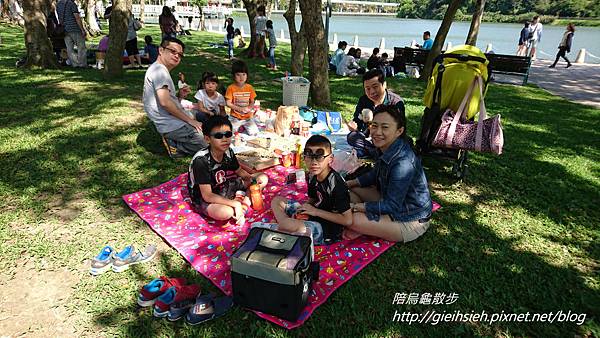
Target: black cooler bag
column 272, row 272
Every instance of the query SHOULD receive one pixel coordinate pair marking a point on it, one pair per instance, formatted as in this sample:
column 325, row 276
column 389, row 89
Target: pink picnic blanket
column 208, row 245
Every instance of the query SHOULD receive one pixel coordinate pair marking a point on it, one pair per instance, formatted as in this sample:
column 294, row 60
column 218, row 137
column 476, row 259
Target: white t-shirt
column 158, row 77
column 211, row 104
column 537, row 31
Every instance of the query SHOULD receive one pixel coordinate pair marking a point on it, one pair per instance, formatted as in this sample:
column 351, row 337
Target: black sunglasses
column 219, row 135
column 314, row 157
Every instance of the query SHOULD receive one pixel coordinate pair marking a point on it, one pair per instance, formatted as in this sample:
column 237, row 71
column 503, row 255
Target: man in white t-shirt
column 162, row 105
column 536, row 28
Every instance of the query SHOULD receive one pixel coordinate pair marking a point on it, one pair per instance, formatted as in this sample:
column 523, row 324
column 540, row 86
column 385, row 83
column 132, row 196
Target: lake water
column 400, row 32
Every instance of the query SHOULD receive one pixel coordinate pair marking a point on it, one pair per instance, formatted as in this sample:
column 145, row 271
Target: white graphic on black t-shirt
column 319, row 199
column 220, row 176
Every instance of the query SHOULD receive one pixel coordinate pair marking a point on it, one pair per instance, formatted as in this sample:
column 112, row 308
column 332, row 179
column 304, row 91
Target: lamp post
column 327, row 16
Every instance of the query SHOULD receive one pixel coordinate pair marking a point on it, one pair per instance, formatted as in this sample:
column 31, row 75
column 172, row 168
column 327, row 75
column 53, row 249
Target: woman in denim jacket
column 392, row 200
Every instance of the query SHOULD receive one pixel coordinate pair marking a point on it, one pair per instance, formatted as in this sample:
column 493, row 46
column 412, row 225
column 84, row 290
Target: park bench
column 406, row 56
column 509, row 65
column 498, row 63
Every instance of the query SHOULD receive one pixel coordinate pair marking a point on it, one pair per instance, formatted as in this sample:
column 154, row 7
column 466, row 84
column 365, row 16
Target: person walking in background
column 272, row 45
column 75, row 35
column 524, row 40
column 565, row 45
column 131, row 43
column 536, row 29
column 427, row 41
column 167, row 23
column 261, row 30
column 230, row 35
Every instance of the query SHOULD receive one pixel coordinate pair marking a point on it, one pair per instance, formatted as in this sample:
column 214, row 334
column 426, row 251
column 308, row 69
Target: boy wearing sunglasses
column 214, row 175
column 328, row 205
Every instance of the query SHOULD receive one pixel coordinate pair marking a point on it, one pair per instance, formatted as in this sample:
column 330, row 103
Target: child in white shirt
column 210, row 101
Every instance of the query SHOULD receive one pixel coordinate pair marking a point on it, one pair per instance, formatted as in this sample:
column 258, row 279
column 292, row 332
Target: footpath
column 580, row 83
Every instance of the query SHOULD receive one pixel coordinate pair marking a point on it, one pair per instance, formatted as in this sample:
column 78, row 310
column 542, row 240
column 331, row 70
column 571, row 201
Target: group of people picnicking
column 391, row 201
column 347, row 64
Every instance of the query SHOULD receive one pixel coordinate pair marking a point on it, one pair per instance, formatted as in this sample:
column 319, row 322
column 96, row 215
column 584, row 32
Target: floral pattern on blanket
column 207, row 245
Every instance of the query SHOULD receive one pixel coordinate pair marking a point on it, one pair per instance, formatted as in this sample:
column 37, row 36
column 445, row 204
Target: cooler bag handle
column 276, row 242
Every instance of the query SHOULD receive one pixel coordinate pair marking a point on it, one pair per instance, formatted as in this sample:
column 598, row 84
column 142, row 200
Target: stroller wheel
column 459, row 171
column 459, row 168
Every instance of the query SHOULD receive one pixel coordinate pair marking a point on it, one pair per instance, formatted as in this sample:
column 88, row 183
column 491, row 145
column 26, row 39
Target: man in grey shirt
column 75, row 35
column 162, row 105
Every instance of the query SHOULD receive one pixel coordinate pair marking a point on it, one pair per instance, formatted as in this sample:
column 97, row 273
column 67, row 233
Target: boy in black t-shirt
column 328, row 206
column 214, row 175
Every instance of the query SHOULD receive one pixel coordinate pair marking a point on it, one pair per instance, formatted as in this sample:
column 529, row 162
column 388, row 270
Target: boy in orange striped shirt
column 240, row 98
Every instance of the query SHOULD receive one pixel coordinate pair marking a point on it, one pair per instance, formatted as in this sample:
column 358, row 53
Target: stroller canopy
column 461, row 65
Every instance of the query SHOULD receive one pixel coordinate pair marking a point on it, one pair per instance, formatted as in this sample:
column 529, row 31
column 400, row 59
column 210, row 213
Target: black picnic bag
column 272, row 272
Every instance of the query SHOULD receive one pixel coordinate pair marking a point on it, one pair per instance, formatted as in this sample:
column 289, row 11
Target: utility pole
column 327, row 16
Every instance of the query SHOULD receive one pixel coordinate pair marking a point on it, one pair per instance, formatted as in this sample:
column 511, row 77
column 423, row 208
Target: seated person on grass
column 376, row 94
column 214, row 175
column 391, row 201
column 150, row 50
column 162, row 105
column 210, row 101
column 328, row 206
column 240, row 98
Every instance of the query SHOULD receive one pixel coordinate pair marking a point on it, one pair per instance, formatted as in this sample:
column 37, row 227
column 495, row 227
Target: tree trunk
column 440, row 38
column 90, row 22
column 251, row 6
column 201, row 26
column 317, row 52
column 475, row 23
column 116, row 37
column 39, row 48
column 297, row 40
column 5, row 13
column 15, row 12
column 143, row 10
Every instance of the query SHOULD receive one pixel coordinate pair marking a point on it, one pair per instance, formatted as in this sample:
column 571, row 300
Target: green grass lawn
column 519, row 234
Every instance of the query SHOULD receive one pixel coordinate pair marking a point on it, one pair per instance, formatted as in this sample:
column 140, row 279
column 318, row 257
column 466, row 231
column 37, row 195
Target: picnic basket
column 295, row 91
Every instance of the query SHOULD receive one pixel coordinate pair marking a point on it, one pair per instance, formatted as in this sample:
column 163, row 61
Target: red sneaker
column 174, row 294
column 154, row 289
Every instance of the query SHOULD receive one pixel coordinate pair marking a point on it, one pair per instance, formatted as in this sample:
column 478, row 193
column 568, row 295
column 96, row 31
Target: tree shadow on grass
column 491, row 261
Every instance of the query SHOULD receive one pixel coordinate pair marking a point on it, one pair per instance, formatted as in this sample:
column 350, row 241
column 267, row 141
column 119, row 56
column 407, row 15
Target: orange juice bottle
column 256, row 196
column 297, row 161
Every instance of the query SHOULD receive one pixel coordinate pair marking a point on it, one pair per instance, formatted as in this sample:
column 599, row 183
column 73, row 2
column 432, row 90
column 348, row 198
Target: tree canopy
column 435, row 9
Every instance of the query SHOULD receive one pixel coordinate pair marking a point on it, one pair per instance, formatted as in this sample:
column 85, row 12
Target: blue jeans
column 272, row 56
column 364, row 148
column 230, row 43
column 291, row 207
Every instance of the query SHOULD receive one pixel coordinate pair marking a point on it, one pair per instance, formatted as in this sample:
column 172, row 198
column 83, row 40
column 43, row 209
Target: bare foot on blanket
column 350, row 234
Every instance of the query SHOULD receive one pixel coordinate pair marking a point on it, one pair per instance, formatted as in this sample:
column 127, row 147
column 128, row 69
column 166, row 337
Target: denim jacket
column 400, row 179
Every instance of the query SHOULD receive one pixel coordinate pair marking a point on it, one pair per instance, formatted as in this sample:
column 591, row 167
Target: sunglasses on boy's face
column 318, row 156
column 219, row 135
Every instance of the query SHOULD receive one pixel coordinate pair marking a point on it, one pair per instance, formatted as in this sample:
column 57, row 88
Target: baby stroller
column 453, row 73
